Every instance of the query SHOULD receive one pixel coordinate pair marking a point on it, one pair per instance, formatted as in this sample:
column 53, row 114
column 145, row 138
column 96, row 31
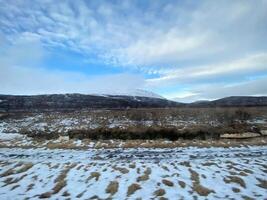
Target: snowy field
column 178, row 173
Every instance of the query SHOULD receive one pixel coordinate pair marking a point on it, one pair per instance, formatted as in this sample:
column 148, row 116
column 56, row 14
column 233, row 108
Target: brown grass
column 262, row 183
column 66, row 194
column 95, row 175
column 9, row 181
column 182, row 184
column 24, row 168
column 30, row 187
column 121, row 169
column 7, row 173
column 210, row 164
column 112, row 188
column 133, row 188
column 236, row 190
column 185, row 163
column 14, row 187
column 159, row 192
column 201, row 190
column 197, row 187
column 235, row 179
column 45, row 195
column 60, row 181
column 132, row 166
column 145, row 176
column 167, row 182
column 81, row 194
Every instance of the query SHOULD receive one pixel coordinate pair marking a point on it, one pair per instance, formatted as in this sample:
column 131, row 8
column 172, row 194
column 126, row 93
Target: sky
column 182, row 50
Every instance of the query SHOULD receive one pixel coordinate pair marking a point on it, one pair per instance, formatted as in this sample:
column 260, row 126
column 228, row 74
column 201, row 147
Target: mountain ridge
column 74, row 101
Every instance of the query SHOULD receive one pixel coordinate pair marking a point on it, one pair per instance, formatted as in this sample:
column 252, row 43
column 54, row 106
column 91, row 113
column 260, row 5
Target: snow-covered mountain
column 139, row 99
column 135, row 93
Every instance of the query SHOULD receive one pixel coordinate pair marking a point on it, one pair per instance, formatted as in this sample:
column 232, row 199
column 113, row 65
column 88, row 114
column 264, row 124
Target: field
column 184, row 153
column 179, row 173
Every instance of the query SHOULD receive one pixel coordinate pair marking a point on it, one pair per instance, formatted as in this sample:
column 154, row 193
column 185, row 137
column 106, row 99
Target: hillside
column 234, row 101
column 79, row 101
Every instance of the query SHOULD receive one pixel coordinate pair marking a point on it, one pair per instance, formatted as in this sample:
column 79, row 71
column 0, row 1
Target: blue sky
column 182, row 50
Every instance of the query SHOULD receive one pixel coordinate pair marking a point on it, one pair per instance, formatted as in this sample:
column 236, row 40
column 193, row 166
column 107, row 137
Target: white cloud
column 128, row 35
column 180, row 42
column 255, row 87
column 20, row 74
column 241, row 68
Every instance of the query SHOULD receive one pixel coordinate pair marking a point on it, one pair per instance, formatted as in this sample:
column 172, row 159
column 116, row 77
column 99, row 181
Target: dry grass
column 159, row 192
column 121, row 169
column 60, row 181
column 182, row 184
column 7, row 173
column 81, row 194
column 30, row 187
column 185, row 163
column 45, row 195
column 95, row 175
column 197, row 187
column 210, row 164
column 235, row 179
column 24, row 168
column 236, row 190
column 133, row 188
column 112, row 188
column 9, row 181
column 145, row 176
column 132, row 166
column 262, row 183
column 167, row 182
column 247, row 197
column 66, row 194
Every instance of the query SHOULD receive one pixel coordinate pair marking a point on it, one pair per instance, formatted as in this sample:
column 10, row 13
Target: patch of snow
column 10, row 136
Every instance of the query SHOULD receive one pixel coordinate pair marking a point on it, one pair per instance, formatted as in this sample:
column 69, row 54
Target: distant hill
column 233, row 101
column 79, row 101
column 61, row 102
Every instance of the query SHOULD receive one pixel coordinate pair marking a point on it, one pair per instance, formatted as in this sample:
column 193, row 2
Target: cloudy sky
column 183, row 50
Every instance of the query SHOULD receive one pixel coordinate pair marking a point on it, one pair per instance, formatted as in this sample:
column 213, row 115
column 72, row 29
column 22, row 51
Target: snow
column 10, row 136
column 164, row 164
column 134, row 93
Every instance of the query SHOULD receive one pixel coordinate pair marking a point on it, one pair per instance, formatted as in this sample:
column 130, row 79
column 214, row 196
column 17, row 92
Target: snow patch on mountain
column 136, row 92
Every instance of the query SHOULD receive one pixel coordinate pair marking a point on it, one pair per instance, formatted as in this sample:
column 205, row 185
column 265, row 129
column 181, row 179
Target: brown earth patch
column 235, row 179
column 159, row 192
column 182, row 184
column 167, row 182
column 112, row 188
column 197, row 187
column 262, row 183
column 133, row 188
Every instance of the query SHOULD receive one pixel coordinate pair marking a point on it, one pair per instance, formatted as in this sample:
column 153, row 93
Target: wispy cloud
column 183, row 43
column 241, row 67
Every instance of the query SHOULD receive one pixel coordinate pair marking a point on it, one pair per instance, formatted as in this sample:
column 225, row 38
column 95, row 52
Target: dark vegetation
column 145, row 134
column 209, row 123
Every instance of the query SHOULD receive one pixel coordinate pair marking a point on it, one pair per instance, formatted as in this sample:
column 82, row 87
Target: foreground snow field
column 178, row 173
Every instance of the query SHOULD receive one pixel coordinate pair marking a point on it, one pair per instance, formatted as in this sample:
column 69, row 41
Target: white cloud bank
column 215, row 91
column 20, row 74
